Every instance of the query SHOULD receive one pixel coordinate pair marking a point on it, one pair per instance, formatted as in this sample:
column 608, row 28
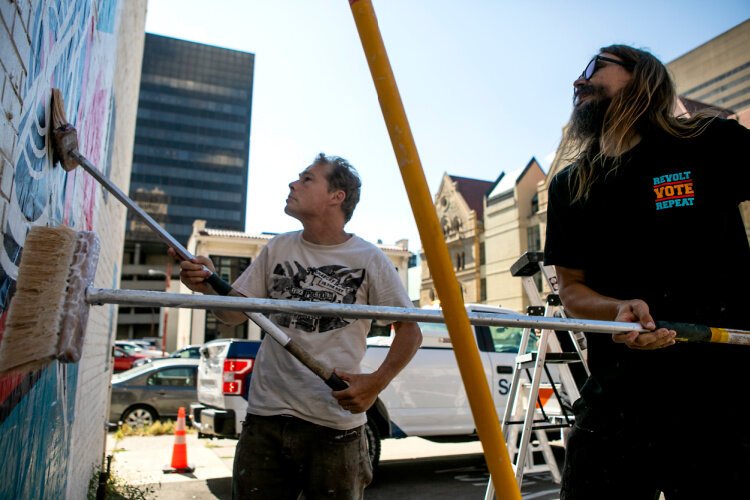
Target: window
column 173, row 377
column 230, row 268
column 533, row 238
column 412, row 260
column 435, row 336
column 534, row 204
column 377, row 330
column 508, row 338
column 534, row 244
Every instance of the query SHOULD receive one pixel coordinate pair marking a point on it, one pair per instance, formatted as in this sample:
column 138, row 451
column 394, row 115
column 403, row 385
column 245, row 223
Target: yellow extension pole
column 438, row 259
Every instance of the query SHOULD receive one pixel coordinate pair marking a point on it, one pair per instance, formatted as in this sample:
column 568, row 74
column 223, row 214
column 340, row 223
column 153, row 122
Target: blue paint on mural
column 6, row 283
column 36, row 435
column 107, row 15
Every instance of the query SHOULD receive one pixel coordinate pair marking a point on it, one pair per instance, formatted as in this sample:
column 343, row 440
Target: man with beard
column 298, row 435
column 644, row 225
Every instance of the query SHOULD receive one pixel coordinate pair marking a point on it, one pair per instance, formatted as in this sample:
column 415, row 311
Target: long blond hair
column 646, row 103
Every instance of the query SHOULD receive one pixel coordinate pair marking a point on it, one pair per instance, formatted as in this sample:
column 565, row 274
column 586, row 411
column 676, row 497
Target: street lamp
column 167, row 283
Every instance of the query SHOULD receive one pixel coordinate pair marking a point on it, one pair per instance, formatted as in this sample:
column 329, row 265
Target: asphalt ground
column 411, row 468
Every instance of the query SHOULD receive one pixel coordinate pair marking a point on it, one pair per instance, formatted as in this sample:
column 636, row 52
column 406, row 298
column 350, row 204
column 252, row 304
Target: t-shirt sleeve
column 386, row 288
column 564, row 244
column 252, row 281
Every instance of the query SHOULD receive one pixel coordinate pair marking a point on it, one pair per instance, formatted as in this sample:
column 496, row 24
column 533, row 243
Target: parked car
column 133, row 347
column 124, row 360
column 187, row 352
column 153, row 391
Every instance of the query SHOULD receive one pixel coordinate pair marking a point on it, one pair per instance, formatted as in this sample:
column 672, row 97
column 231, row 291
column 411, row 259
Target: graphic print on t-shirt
column 674, row 190
column 293, row 281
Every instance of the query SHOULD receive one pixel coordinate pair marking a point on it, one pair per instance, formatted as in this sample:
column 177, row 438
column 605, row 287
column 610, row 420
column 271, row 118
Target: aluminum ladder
column 526, row 413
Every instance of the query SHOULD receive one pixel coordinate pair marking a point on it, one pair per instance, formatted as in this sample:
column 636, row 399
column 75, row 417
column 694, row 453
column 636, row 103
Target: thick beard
column 587, row 121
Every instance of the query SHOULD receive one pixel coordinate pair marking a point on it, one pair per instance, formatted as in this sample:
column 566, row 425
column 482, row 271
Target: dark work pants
column 609, row 456
column 278, row 457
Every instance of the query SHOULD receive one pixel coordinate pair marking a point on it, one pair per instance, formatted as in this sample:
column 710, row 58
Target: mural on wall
column 72, row 47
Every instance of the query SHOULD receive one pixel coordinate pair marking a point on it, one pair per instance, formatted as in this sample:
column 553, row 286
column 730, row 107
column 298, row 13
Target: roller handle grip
column 335, row 383
column 687, row 332
column 219, row 285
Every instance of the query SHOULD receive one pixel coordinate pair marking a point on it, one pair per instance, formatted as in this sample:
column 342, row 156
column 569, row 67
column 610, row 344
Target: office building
column 718, row 72
column 190, row 159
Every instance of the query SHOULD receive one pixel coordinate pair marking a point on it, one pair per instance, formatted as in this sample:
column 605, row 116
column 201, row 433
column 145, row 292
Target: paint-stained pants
column 278, row 457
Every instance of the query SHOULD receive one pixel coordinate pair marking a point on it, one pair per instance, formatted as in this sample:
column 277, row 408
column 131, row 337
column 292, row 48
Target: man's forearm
column 580, row 301
column 228, row 317
column 405, row 344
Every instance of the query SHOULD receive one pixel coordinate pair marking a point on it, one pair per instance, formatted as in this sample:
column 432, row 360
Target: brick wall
column 52, row 421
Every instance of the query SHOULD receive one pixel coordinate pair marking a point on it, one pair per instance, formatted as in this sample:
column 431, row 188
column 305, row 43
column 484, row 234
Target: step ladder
column 527, row 413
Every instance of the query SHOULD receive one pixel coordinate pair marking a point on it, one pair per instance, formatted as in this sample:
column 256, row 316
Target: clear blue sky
column 486, row 84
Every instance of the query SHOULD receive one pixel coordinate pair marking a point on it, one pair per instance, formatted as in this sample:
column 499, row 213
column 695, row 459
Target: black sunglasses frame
column 592, row 68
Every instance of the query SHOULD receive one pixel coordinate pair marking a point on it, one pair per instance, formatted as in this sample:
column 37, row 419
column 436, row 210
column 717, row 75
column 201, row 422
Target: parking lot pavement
column 139, row 461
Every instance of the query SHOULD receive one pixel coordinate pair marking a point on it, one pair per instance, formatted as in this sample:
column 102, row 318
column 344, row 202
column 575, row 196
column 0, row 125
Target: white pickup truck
column 426, row 399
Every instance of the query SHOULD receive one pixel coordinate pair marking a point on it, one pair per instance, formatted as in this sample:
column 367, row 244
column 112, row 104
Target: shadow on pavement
column 220, row 487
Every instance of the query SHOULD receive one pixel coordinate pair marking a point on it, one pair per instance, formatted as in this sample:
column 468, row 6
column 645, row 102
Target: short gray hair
column 342, row 176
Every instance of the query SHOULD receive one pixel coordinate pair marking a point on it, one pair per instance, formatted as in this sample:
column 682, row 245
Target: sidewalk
column 140, row 460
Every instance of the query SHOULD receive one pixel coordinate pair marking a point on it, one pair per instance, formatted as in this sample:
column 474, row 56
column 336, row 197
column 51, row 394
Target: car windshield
column 508, row 339
column 186, row 352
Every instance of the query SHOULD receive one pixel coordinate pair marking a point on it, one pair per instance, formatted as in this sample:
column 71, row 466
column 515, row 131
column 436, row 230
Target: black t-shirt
column 665, row 228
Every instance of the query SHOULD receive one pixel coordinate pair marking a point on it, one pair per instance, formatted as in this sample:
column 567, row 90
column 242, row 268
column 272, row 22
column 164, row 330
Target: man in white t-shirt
column 299, row 435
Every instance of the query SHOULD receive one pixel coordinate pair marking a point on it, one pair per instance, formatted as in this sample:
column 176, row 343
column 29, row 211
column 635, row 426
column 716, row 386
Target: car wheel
column 373, row 444
column 139, row 416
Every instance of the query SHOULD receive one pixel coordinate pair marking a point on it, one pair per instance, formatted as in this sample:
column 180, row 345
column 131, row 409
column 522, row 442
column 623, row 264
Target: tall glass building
column 190, row 161
column 192, row 137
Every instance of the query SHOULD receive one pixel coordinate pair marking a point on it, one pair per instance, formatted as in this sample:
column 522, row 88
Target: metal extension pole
column 98, row 296
column 254, row 307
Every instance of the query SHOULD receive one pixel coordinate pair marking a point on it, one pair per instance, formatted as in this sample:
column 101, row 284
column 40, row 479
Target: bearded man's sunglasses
column 594, row 65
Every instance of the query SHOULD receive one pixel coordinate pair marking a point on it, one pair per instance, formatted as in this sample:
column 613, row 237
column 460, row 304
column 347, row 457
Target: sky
column 486, row 84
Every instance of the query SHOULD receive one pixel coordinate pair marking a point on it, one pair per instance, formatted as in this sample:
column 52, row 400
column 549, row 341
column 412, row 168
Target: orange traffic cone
column 179, row 451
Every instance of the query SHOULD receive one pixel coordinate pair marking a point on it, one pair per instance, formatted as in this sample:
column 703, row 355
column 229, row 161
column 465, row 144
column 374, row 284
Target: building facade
column 460, row 208
column 511, row 228
column 190, row 159
column 52, row 420
column 717, row 72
